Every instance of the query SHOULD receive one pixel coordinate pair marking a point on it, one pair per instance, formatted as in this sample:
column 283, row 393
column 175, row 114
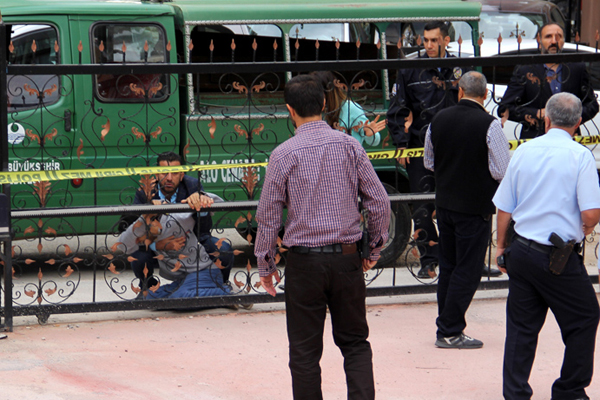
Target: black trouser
column 422, row 181
column 464, row 240
column 571, row 298
column 314, row 282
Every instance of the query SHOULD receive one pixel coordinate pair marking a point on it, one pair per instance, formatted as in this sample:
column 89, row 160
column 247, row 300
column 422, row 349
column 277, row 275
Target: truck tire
column 400, row 227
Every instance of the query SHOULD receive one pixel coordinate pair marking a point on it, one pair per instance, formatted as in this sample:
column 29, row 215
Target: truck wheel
column 400, row 227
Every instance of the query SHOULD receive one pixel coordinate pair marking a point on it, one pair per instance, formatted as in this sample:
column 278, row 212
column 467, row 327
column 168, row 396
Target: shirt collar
column 311, row 126
column 163, row 197
column 559, row 133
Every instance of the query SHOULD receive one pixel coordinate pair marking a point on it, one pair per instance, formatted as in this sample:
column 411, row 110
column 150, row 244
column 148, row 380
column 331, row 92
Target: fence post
column 5, row 233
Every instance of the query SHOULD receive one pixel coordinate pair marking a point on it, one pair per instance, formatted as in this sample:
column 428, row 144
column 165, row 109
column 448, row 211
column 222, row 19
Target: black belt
column 340, row 248
column 542, row 248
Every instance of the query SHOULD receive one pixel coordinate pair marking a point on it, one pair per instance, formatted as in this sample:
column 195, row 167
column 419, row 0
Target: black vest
column 463, row 180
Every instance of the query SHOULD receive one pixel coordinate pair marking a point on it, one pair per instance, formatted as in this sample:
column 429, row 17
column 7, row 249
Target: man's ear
column 546, row 124
column 461, row 93
column 291, row 110
column 324, row 103
column 447, row 40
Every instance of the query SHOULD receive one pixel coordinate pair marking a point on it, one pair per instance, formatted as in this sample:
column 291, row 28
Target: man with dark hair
column 468, row 152
column 178, row 188
column 418, row 95
column 319, row 175
column 551, row 192
column 532, row 85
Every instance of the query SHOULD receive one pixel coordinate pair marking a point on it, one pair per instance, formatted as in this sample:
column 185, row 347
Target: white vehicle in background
column 502, row 74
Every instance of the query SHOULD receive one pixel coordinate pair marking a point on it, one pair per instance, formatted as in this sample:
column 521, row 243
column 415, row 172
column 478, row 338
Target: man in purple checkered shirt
column 319, row 175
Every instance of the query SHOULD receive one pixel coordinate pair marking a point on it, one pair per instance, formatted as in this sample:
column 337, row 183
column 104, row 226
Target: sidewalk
column 243, row 356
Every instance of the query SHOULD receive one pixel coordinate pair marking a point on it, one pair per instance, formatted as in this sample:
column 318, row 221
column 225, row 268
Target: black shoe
column 427, row 272
column 492, row 272
column 461, row 341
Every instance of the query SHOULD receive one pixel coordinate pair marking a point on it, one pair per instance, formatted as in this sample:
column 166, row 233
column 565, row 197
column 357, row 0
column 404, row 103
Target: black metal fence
column 63, row 255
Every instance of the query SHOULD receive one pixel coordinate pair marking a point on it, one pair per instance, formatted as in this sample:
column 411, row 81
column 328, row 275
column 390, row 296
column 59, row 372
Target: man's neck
column 301, row 121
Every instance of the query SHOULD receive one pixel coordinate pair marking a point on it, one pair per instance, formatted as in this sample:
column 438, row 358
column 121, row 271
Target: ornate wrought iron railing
column 63, row 255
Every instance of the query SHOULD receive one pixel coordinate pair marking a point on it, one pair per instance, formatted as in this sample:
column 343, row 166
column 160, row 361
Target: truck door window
column 227, row 43
column 129, row 43
column 32, row 44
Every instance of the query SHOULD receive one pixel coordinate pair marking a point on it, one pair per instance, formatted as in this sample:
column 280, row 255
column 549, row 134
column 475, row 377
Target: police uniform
column 419, row 94
column 548, row 183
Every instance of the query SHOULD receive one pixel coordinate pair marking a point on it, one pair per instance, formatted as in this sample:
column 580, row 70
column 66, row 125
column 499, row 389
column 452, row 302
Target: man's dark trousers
column 421, row 180
column 464, row 239
column 314, row 282
column 571, row 297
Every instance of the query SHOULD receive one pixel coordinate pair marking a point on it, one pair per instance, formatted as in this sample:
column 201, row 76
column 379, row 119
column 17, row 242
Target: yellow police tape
column 59, row 175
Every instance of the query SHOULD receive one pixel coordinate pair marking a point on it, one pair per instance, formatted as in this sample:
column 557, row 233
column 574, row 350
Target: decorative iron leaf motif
column 249, row 180
column 239, row 87
column 177, row 266
column 80, row 151
column 80, row 47
column 211, row 47
column 157, row 132
column 358, row 85
column 238, row 283
column 41, row 189
column 237, row 252
column 56, row 47
column 259, row 87
column 27, row 231
column 77, row 259
column 137, row 133
column 219, row 243
column 112, row 268
column 169, row 45
column 34, row 46
column 147, row 183
column 51, row 135
column 11, row 47
column 124, row 48
column 30, row 90
column 219, row 264
column 30, row 293
column 155, row 88
column 138, row 91
column 50, row 231
column 258, row 129
column 240, row 131
column 32, row 136
column 212, row 127
column 105, row 129
column 68, row 272
column 49, row 91
column 241, row 219
column 531, row 120
column 146, row 48
column 186, row 149
column 51, row 261
column 50, row 292
column 101, row 46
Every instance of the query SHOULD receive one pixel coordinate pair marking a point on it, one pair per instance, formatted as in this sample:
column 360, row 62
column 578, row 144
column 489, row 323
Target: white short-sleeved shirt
column 549, row 181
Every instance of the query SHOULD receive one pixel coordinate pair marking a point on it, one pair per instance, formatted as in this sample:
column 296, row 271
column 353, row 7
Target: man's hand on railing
column 198, row 201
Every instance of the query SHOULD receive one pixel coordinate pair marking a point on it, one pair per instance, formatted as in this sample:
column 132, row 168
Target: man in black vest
column 468, row 152
column 532, row 85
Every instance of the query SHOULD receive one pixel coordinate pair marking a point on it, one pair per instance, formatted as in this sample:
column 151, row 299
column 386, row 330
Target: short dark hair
column 169, row 156
column 441, row 25
column 305, row 94
column 549, row 24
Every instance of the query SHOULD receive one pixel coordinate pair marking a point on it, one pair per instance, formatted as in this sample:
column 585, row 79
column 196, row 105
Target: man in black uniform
column 532, row 85
column 419, row 95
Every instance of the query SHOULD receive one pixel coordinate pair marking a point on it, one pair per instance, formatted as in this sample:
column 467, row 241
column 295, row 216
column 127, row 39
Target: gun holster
column 364, row 248
column 560, row 253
